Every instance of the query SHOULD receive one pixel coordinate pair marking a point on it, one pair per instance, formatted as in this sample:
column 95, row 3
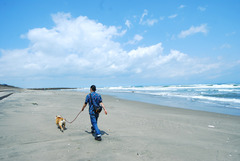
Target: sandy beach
column 131, row 130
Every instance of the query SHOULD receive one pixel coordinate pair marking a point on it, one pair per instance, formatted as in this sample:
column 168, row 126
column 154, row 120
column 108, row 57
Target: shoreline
column 172, row 102
column 12, row 89
column 216, row 110
column 131, row 130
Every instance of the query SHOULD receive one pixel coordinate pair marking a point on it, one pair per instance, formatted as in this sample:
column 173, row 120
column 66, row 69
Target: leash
column 73, row 119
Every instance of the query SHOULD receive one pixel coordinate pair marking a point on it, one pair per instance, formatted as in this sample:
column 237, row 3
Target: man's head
column 93, row 88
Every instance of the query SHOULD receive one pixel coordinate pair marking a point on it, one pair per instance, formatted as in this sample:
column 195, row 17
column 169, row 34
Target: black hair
column 93, row 87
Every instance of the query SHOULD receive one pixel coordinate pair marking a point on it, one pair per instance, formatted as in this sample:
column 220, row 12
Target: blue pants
column 94, row 118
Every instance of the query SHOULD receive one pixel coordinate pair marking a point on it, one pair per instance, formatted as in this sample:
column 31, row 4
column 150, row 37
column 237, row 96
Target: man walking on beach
column 94, row 98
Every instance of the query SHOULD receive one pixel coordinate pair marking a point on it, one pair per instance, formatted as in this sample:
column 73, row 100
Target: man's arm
column 103, row 108
column 84, row 105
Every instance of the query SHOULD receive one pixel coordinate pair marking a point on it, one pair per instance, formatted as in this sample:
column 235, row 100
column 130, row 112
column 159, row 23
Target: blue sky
column 74, row 43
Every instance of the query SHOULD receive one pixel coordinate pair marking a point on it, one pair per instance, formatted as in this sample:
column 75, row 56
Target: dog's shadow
column 94, row 134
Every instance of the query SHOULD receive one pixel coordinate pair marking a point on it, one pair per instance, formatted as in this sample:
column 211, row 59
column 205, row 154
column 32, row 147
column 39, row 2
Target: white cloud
column 231, row 33
column 200, row 8
column 136, row 39
column 225, row 46
column 81, row 47
column 149, row 22
column 193, row 30
column 74, row 44
column 178, row 64
column 145, row 13
column 174, row 55
column 181, row 6
column 172, row 16
column 146, row 51
column 128, row 23
column 161, row 18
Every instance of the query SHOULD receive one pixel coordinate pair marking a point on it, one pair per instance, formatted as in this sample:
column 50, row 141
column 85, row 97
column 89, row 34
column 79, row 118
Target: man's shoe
column 98, row 138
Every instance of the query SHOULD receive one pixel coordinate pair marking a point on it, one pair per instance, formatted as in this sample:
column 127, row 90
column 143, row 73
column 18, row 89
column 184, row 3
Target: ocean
column 218, row 98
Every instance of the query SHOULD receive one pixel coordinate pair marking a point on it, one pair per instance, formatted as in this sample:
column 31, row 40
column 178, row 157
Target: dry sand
column 131, row 130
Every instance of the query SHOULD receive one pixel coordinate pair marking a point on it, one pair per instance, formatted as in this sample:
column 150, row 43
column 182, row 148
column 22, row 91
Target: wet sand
column 130, row 131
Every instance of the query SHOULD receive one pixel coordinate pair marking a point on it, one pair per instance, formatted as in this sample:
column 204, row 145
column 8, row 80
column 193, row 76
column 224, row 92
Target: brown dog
column 60, row 122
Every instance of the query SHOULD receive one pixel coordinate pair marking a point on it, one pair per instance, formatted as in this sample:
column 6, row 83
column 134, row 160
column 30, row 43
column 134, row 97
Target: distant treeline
column 58, row 88
column 6, row 85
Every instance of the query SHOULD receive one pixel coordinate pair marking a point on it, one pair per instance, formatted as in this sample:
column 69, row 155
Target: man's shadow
column 94, row 134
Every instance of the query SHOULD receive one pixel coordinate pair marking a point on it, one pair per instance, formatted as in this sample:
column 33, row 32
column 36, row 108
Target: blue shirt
column 96, row 100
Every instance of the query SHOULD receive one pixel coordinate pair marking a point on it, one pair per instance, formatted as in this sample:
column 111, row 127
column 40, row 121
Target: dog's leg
column 57, row 123
column 61, row 125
